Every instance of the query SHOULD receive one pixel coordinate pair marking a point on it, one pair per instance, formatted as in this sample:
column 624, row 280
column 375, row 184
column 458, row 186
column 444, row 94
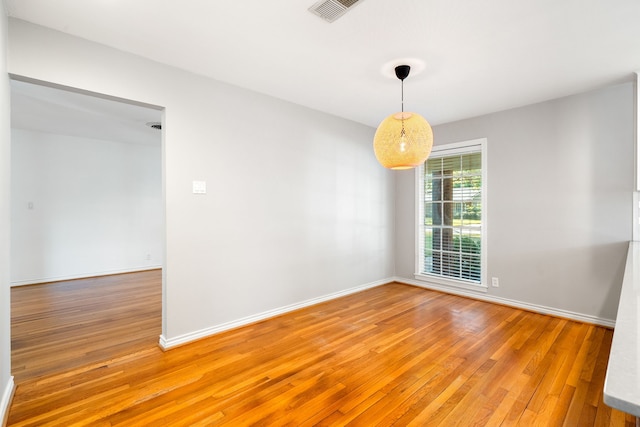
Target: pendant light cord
column 402, row 94
column 402, row 71
column 402, row 111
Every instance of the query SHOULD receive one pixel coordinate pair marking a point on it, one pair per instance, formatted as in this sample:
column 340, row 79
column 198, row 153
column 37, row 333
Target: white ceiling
column 479, row 56
column 52, row 110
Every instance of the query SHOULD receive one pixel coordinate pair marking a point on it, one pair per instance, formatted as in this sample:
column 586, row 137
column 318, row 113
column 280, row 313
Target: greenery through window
column 452, row 215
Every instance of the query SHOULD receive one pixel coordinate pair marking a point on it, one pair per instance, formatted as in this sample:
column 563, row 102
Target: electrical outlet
column 148, row 257
column 495, row 282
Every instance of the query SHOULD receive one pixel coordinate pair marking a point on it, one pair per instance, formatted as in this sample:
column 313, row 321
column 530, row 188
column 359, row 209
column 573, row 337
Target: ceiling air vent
column 330, row 10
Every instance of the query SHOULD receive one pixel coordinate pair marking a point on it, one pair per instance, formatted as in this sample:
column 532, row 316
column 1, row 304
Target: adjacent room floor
column 60, row 326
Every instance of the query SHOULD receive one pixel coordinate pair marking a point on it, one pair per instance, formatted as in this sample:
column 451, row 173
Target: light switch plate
column 199, row 187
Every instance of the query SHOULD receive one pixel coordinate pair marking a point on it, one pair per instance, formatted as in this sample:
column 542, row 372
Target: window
column 451, row 221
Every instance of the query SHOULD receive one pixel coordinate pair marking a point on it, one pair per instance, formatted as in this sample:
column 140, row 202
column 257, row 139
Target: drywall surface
column 560, row 182
column 296, row 206
column 83, row 207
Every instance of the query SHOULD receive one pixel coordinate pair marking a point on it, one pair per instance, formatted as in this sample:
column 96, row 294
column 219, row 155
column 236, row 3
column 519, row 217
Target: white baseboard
column 7, row 396
column 82, row 276
column 584, row 318
column 167, row 343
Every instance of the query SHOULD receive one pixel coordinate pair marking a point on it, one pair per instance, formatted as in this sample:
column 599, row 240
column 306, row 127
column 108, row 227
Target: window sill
column 450, row 283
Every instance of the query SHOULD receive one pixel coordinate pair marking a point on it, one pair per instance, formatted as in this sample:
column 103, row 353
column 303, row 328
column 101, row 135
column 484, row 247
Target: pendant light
column 403, row 140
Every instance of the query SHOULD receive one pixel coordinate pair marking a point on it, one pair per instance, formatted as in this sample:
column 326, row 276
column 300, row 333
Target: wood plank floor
column 392, row 355
column 63, row 325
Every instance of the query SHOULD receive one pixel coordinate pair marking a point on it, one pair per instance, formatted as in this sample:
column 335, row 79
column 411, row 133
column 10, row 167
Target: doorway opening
column 87, row 216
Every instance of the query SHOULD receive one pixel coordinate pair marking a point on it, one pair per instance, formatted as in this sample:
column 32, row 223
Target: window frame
column 463, row 147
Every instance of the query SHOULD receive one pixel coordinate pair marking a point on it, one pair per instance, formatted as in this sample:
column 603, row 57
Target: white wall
column 6, row 380
column 560, row 182
column 83, row 207
column 297, row 206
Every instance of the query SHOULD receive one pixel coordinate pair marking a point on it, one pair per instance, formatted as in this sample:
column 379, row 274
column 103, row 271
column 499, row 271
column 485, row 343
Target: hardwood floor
column 392, row 355
column 63, row 325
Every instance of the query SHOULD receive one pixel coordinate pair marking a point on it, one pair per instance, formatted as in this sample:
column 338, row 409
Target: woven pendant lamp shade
column 395, row 151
